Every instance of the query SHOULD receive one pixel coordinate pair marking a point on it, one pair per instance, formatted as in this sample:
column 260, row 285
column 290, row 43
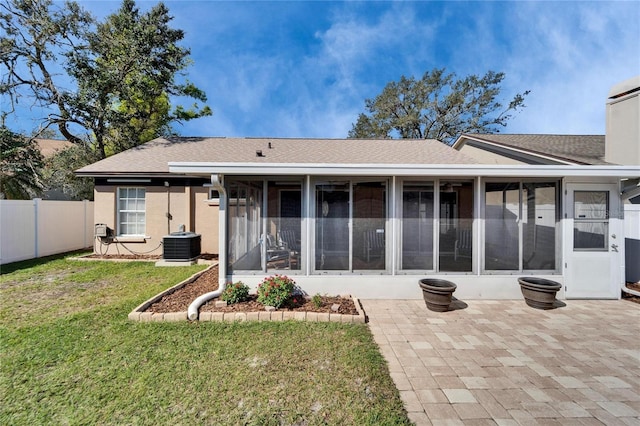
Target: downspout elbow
column 217, row 183
column 194, row 307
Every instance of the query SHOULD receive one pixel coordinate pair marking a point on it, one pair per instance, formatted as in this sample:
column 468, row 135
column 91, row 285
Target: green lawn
column 68, row 355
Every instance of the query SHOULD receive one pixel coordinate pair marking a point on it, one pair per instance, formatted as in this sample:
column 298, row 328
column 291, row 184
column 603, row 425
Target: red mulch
column 631, row 297
column 179, row 300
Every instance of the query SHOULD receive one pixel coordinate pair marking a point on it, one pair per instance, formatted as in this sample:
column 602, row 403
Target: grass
column 68, row 355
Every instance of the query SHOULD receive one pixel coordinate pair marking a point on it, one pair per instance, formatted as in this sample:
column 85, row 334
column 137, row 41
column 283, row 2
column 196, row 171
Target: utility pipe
column 192, row 312
column 629, row 291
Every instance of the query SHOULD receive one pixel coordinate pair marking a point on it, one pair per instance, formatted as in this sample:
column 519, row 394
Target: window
column 521, row 220
column 284, row 225
column 131, row 211
column 590, row 220
column 451, row 222
column 245, row 225
column 264, row 225
column 456, row 226
column 350, row 226
column 417, row 225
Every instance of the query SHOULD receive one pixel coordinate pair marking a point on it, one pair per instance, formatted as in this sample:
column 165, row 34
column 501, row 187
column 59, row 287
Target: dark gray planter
column 539, row 293
column 437, row 293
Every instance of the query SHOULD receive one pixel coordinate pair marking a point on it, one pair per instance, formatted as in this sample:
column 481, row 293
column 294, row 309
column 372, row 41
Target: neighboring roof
column 576, row 149
column 49, row 147
column 152, row 158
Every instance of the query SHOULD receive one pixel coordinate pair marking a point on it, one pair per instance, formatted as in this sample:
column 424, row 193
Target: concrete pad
column 175, row 263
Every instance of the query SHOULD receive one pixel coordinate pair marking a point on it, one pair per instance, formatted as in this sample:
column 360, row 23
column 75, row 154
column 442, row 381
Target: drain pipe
column 217, row 182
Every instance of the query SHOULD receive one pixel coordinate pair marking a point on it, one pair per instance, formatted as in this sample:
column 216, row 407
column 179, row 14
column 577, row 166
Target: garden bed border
column 139, row 314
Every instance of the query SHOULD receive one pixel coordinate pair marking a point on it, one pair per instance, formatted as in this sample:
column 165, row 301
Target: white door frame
column 594, row 274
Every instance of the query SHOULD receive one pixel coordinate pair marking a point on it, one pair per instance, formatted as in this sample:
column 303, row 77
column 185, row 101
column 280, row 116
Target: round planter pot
column 437, row 293
column 539, row 293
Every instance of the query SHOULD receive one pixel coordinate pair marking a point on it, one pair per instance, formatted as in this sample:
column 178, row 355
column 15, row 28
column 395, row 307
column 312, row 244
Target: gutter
column 202, row 168
column 217, row 182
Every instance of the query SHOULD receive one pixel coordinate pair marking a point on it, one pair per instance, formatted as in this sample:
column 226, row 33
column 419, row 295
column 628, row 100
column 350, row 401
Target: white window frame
column 120, row 210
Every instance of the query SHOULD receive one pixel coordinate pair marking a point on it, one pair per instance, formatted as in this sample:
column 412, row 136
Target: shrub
column 275, row 290
column 235, row 293
column 317, row 300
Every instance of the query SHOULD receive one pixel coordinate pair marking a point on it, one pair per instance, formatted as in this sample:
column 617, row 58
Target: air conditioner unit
column 181, row 246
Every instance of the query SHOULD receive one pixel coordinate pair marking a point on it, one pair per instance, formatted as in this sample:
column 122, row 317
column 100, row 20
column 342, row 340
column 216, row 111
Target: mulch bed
column 179, row 300
column 631, row 297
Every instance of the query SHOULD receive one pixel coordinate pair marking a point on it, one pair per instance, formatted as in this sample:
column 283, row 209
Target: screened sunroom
column 373, row 229
column 364, row 225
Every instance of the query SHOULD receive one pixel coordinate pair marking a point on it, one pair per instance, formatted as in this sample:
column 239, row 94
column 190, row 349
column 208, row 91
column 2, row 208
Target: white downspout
column 217, row 182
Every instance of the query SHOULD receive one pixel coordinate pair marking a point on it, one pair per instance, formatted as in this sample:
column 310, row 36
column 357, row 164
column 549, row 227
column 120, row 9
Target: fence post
column 36, row 208
column 84, row 223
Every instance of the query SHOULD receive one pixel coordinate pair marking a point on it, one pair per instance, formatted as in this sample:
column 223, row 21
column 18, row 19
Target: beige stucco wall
column 486, row 157
column 205, row 220
column 187, row 206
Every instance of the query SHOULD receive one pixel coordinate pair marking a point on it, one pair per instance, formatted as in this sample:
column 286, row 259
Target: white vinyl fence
column 632, row 242
column 632, row 221
column 37, row 228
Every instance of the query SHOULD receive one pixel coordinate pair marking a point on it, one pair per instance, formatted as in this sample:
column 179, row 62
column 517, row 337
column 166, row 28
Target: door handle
column 614, row 247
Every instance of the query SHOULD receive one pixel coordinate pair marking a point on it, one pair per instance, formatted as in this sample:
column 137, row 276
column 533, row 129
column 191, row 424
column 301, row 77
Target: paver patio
column 504, row 363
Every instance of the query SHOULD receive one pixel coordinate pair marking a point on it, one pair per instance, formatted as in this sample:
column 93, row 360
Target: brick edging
column 138, row 314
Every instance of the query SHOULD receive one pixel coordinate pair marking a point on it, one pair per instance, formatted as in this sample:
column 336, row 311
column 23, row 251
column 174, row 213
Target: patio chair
column 290, row 240
column 463, row 244
column 374, row 243
column 277, row 253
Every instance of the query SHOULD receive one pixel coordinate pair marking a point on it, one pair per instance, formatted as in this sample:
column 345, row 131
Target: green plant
column 235, row 293
column 317, row 300
column 275, row 290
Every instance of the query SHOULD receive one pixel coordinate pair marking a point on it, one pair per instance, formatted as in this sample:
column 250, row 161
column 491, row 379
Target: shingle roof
column 153, row 157
column 49, row 147
column 583, row 149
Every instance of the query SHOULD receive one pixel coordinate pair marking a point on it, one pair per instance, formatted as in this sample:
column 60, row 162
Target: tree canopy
column 437, row 106
column 109, row 84
column 20, row 164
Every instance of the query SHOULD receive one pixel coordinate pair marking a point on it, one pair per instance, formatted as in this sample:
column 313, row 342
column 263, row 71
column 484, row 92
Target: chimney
column 622, row 139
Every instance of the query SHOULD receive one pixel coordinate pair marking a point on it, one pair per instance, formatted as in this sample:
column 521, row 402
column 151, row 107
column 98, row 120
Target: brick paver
column 504, row 363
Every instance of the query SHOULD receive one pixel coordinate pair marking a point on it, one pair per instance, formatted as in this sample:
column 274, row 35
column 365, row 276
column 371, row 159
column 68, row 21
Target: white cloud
column 569, row 55
column 305, row 69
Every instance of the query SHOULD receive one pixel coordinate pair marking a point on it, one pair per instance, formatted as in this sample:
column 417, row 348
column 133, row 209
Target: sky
column 305, row 68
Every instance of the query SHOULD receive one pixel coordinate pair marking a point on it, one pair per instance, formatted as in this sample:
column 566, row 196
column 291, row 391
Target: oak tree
column 437, row 106
column 109, row 84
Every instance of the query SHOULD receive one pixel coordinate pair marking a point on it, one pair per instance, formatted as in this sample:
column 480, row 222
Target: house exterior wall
column 623, row 130
column 186, row 205
column 487, row 157
column 205, row 219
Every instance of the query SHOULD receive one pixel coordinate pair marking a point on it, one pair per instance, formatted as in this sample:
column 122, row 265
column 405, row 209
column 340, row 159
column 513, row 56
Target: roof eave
column 95, row 174
column 462, row 170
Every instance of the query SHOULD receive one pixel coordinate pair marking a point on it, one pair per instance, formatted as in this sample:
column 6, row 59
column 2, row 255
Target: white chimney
column 622, row 140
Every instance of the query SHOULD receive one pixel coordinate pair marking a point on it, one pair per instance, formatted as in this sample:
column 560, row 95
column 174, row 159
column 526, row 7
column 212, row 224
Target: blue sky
column 304, row 69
